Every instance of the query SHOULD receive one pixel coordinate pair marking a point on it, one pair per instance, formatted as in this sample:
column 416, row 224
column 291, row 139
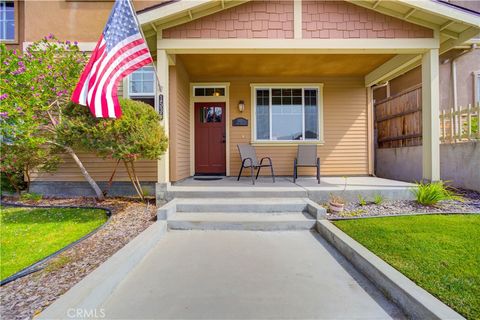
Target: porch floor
column 285, row 187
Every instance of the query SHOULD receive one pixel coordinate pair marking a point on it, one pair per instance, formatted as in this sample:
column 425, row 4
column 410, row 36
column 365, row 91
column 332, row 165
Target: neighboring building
column 275, row 74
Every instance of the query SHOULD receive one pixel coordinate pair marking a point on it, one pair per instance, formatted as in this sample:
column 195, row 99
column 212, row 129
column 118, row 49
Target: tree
column 136, row 135
column 35, row 89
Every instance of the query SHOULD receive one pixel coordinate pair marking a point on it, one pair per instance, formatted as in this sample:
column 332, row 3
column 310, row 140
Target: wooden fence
column 398, row 119
column 461, row 125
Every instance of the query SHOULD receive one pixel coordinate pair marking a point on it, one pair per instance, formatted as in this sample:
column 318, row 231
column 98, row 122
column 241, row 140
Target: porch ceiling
column 264, row 65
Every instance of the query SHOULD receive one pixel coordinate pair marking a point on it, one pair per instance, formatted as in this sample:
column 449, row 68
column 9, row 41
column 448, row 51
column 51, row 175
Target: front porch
column 305, row 187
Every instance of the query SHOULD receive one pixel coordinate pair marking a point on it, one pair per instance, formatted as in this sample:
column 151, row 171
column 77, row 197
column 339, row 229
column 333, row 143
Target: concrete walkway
column 246, row 275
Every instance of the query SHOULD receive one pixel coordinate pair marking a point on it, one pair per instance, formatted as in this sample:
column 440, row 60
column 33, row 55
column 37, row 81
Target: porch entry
column 210, row 139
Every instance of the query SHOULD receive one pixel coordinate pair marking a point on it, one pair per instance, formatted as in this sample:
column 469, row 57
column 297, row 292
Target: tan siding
column 345, row 127
column 100, row 169
column 179, row 122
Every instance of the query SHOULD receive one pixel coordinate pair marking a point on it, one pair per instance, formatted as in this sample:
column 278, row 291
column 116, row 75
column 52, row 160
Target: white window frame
column 270, row 86
column 154, row 94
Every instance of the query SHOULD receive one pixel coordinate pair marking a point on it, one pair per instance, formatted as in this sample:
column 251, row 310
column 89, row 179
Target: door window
column 210, row 114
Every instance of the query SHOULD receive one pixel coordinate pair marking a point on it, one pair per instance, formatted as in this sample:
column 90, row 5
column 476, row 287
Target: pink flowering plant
column 35, row 89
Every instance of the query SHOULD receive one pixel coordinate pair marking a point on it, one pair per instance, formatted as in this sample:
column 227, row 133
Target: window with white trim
column 287, row 113
column 142, row 86
column 7, row 20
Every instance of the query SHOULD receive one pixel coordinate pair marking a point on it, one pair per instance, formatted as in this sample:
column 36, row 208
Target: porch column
column 163, row 78
column 430, row 115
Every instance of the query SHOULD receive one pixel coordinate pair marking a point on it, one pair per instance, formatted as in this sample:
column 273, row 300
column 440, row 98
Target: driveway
column 246, row 275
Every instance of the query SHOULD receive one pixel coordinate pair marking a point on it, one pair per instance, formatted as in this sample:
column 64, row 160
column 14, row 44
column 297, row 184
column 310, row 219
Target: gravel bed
column 471, row 204
column 28, row 296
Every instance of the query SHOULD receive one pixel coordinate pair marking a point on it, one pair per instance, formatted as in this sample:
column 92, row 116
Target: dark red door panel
column 210, row 138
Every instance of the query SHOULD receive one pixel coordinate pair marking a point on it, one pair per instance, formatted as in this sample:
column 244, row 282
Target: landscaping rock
column 471, row 204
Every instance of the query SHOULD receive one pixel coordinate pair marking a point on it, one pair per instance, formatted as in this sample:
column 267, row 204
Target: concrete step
column 268, row 205
column 241, row 221
column 235, row 192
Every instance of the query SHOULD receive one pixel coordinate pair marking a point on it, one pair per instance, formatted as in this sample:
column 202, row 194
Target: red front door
column 210, row 138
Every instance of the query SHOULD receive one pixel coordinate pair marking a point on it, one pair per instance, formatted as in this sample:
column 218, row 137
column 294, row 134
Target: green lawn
column 441, row 253
column 28, row 235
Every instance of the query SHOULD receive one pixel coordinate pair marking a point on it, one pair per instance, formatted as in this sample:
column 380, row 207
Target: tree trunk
column 86, row 175
column 109, row 184
column 139, row 192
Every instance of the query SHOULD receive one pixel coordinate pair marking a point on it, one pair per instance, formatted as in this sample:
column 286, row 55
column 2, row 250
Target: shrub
column 429, row 194
column 138, row 134
column 361, row 200
column 31, row 196
column 378, row 199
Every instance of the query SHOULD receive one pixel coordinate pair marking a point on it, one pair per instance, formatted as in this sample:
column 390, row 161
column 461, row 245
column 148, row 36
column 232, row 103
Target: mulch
column 28, row 296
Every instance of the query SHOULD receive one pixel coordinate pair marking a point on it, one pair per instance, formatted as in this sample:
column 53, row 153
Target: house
column 275, row 74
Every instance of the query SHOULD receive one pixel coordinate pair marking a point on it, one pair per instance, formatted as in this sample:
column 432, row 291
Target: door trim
column 226, row 100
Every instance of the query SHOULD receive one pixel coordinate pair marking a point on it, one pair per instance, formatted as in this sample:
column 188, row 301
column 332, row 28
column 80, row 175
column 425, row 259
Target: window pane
column 7, row 20
column 311, row 114
column 135, row 87
column 263, row 114
column 287, row 123
column 148, row 76
column 210, row 114
column 136, row 76
column 199, row 92
column 148, row 87
column 209, row 91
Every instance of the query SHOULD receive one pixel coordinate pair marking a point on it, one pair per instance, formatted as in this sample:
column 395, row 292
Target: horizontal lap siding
column 100, row 170
column 179, row 122
column 345, row 128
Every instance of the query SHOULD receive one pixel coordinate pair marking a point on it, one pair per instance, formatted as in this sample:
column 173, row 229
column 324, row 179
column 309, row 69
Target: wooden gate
column 398, row 119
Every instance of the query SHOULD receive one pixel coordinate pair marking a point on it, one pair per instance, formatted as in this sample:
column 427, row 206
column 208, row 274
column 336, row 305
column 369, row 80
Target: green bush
column 378, row 199
column 137, row 134
column 31, row 196
column 429, row 194
column 361, row 200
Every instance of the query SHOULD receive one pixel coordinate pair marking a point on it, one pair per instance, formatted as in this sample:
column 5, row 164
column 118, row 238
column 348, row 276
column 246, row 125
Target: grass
column 29, row 235
column 441, row 253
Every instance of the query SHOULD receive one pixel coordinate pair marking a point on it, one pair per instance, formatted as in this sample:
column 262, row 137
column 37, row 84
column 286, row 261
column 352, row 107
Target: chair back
column 247, row 151
column 307, row 155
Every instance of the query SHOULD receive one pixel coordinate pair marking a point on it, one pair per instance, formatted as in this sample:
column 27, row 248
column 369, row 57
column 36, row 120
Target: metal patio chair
column 249, row 160
column 306, row 157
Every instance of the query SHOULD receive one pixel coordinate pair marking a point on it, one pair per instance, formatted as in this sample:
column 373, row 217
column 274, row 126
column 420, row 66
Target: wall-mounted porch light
column 241, row 106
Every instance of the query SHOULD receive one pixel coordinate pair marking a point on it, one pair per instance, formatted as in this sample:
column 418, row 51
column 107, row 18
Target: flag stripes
column 120, row 51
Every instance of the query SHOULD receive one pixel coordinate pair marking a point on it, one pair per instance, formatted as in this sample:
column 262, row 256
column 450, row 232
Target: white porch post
column 163, row 78
column 430, row 115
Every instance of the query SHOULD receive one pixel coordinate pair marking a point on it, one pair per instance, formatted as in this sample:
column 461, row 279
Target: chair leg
column 258, row 172
column 240, row 173
column 318, row 170
column 294, row 170
column 252, row 174
column 273, row 174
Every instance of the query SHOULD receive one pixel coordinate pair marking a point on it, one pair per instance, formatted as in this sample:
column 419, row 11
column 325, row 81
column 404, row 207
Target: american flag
column 120, row 51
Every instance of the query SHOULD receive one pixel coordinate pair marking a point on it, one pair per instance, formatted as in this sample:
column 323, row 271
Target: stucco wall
column 466, row 65
column 70, row 20
column 459, row 163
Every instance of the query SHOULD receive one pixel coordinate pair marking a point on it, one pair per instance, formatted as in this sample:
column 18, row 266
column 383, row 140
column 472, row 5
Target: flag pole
column 145, row 38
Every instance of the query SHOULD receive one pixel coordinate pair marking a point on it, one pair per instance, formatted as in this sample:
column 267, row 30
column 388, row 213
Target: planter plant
column 336, row 203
